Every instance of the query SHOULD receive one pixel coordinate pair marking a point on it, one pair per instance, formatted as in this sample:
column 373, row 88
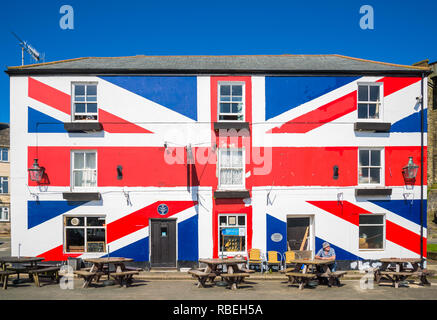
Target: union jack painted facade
column 300, row 126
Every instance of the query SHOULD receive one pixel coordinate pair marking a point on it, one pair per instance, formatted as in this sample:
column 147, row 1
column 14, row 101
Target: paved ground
column 187, row 290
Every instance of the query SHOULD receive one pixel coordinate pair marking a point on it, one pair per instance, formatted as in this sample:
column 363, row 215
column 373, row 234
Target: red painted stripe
column 140, row 218
column 57, row 254
column 113, row 124
column 318, row 117
column 393, row 84
column 49, row 95
column 404, row 237
column 344, row 210
column 396, row 158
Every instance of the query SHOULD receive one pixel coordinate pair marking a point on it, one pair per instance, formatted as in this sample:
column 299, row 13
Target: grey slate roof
column 265, row 64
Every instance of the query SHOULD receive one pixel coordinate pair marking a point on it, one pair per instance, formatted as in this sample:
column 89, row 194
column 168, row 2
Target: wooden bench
column 52, row 272
column 123, row 277
column 301, row 278
column 395, row 277
column 87, row 276
column 4, row 275
column 333, row 277
column 233, row 279
column 201, row 276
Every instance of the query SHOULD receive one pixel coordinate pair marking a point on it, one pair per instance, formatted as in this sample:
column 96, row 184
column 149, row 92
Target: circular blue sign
column 162, row 209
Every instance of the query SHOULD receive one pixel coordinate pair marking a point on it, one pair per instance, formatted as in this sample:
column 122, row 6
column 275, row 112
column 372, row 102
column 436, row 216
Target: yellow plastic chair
column 255, row 258
column 288, row 257
column 272, row 259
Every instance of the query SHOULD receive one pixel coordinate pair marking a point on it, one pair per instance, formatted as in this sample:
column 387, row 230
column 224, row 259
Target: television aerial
column 35, row 55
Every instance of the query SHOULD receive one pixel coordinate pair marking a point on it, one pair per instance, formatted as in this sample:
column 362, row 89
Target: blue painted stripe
column 275, row 225
column 411, row 123
column 340, row 253
column 176, row 93
column 286, row 93
column 408, row 209
column 138, row 250
column 40, row 122
column 188, row 239
column 42, row 211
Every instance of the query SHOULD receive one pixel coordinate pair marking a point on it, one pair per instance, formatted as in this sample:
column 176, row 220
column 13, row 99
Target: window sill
column 238, row 125
column 83, row 126
column 81, row 196
column 372, row 126
column 231, row 194
column 373, row 191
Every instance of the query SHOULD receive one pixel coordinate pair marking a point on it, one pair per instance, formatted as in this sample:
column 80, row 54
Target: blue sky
column 404, row 31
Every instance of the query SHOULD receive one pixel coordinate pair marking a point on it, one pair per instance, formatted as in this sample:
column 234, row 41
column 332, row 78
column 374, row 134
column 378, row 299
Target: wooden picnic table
column 233, row 276
column 306, row 269
column 120, row 274
column 400, row 272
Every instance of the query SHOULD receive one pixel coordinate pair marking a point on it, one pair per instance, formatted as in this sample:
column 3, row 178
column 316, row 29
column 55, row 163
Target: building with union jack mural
column 168, row 159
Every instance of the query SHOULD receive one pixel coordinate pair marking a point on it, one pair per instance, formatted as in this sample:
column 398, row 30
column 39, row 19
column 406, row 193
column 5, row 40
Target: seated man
column 327, row 253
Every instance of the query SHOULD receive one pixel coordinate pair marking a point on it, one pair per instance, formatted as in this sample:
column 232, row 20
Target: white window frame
column 241, row 186
column 381, row 102
column 1, row 185
column 73, row 107
column 1, row 154
column 243, row 92
column 382, row 166
column 85, row 216
column 84, row 188
column 4, row 209
column 383, row 228
column 232, row 253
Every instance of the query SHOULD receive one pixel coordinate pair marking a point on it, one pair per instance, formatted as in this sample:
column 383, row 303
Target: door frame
column 150, row 239
column 312, row 233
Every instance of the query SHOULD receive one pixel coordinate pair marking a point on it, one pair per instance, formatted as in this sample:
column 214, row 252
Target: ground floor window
column 232, row 233
column 84, row 234
column 372, row 231
column 4, row 213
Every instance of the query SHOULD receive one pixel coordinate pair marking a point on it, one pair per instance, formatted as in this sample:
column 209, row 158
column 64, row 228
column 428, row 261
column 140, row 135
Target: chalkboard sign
column 96, row 246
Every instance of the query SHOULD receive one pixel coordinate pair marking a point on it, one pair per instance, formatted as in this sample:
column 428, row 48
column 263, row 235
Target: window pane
column 95, row 221
column 375, row 157
column 79, row 98
column 91, row 90
column 75, row 221
column 374, row 93
column 225, row 158
column 237, row 90
column 232, row 220
column 78, row 160
column 241, row 220
column 225, row 176
column 4, row 155
column 363, row 93
column 91, row 107
column 79, row 107
column 364, row 157
column 375, row 176
column 362, row 111
column 231, row 243
column 225, row 107
column 91, row 98
column 237, row 177
column 371, row 237
column 4, row 185
column 371, row 219
column 75, row 240
column 90, row 160
column 78, row 179
column 237, row 98
column 225, row 98
column 96, row 239
column 225, row 90
column 79, row 90
column 222, row 220
column 373, row 111
column 364, row 175
column 237, row 158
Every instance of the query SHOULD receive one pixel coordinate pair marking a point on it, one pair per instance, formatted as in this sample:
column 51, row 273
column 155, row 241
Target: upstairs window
column 231, row 102
column 84, row 102
column 4, row 185
column 84, row 169
column 369, row 101
column 4, row 155
column 231, row 169
column 370, row 166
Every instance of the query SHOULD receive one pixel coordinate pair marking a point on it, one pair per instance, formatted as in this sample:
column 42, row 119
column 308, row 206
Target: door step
column 163, row 269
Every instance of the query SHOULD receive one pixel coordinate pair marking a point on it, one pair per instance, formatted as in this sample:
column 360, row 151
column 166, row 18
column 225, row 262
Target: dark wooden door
column 163, row 243
column 296, row 229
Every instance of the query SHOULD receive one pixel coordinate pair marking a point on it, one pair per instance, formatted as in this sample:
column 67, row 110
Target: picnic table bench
column 300, row 278
column 52, row 272
column 233, row 279
column 202, row 276
column 333, row 277
column 4, row 275
column 87, row 276
column 123, row 277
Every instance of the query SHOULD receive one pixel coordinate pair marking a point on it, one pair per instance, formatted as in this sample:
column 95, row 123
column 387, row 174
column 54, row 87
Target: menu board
column 96, row 246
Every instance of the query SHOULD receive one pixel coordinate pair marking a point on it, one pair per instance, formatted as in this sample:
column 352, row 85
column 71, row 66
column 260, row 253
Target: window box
column 231, row 194
column 373, row 192
column 83, row 126
column 81, row 196
column 231, row 125
column 372, row 126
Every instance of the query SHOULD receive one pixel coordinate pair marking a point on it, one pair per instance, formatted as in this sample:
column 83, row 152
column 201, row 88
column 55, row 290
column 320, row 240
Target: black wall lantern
column 36, row 172
column 410, row 171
